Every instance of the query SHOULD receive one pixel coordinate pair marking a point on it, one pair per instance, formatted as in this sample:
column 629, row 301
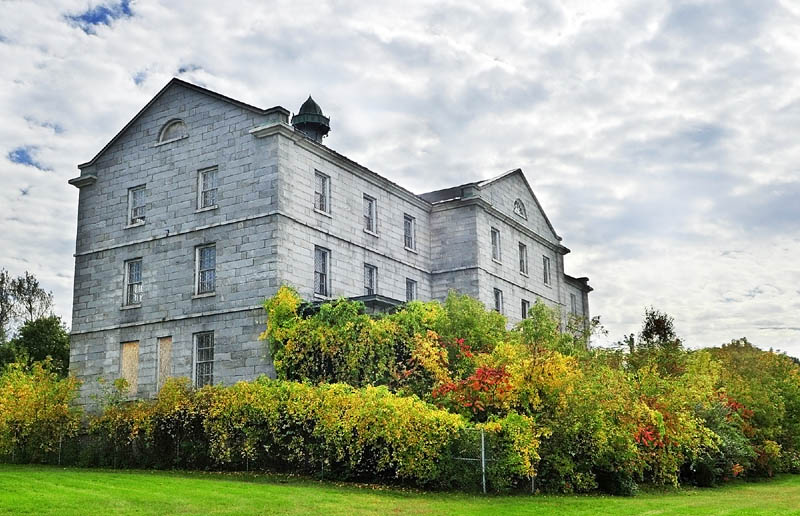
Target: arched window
column 173, row 130
column 519, row 209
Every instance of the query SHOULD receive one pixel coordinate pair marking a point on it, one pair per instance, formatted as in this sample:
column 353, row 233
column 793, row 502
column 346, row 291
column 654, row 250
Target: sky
column 661, row 137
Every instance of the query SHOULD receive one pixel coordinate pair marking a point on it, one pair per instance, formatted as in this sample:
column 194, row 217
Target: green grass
column 51, row 490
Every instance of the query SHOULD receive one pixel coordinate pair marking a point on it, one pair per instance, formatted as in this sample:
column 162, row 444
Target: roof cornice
column 322, row 151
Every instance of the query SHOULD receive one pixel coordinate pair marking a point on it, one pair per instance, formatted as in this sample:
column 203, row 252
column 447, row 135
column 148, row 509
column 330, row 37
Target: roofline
column 582, row 283
column 200, row 89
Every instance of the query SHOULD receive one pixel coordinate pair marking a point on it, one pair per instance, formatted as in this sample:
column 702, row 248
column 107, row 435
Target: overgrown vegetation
column 396, row 398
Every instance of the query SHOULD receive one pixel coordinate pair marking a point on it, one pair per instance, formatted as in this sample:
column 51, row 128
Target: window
column 370, row 222
column 498, row 300
column 573, row 303
column 204, row 358
column 207, row 188
column 164, row 360
column 370, row 280
column 526, row 306
column 129, row 365
column 408, row 231
column 546, row 270
column 206, row 269
column 133, row 282
column 136, row 205
column 173, row 130
column 322, row 190
column 495, row 244
column 523, row 258
column 411, row 290
column 321, row 269
column 519, row 209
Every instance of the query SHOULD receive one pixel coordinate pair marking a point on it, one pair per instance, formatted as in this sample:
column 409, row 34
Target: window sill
column 165, row 142
column 207, row 208
column 524, row 274
column 410, row 250
column 323, row 213
column 498, row 262
column 548, row 285
column 204, row 294
column 135, row 225
column 371, row 233
column 324, row 298
column 130, row 307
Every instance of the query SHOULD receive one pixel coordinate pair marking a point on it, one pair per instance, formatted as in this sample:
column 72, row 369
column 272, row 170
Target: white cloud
column 661, row 137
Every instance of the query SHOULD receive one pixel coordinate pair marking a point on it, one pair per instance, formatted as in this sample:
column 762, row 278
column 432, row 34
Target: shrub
column 36, row 411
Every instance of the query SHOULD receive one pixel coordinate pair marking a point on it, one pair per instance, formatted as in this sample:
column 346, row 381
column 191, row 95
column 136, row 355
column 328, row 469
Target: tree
column 33, row 301
column 41, row 338
column 657, row 344
column 7, row 304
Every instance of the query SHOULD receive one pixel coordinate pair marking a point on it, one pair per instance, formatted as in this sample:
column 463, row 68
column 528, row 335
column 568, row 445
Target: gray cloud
column 659, row 136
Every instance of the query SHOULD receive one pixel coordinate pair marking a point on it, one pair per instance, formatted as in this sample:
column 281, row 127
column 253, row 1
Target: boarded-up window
column 129, row 366
column 164, row 360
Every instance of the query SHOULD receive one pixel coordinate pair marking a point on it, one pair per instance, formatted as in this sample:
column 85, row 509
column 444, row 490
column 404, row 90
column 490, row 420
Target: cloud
column 660, row 137
column 24, row 156
column 100, row 15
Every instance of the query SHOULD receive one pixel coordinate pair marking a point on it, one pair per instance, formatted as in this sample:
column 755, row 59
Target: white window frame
column 322, row 200
column 496, row 252
column 162, row 135
column 409, row 232
column 127, row 292
column 498, row 300
column 411, row 290
column 523, row 259
column 370, row 208
column 137, row 218
column 197, row 377
column 370, row 280
column 525, row 307
column 326, row 274
column 199, row 288
column 546, row 270
column 202, row 188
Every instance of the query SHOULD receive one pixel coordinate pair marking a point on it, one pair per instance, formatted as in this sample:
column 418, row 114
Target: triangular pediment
column 511, row 194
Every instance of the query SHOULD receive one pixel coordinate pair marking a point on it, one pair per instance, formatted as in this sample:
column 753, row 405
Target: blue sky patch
column 23, row 156
column 101, row 15
column 139, row 77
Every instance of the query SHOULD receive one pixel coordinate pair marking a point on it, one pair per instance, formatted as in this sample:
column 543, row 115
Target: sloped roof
column 454, row 192
column 173, row 82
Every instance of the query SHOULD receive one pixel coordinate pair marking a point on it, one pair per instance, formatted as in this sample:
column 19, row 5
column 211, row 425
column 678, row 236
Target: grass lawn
column 51, row 490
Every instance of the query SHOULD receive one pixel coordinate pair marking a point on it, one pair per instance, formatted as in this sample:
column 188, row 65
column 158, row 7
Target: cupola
column 311, row 121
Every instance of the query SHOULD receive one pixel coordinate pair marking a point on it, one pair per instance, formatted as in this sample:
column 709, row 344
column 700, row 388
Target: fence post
column 483, row 462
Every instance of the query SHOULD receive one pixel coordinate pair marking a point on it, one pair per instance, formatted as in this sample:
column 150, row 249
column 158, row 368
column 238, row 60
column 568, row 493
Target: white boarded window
column 370, row 221
column 204, row 358
column 207, row 188
column 411, row 289
column 573, row 303
column 206, row 281
column 498, row 300
column 136, row 205
column 409, row 240
column 546, row 270
column 133, row 282
column 370, row 280
column 496, row 244
column 322, row 191
column 173, row 130
column 523, row 258
column 321, row 270
column 129, row 365
column 164, row 360
column 519, row 209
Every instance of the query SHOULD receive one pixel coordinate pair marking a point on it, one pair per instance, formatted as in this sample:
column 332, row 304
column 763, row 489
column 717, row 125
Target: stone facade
column 264, row 229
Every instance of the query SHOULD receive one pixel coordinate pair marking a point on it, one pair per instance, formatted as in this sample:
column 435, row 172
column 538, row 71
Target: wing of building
column 202, row 206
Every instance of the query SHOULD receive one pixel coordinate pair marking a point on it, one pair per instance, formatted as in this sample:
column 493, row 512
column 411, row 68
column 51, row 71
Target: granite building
column 202, row 206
